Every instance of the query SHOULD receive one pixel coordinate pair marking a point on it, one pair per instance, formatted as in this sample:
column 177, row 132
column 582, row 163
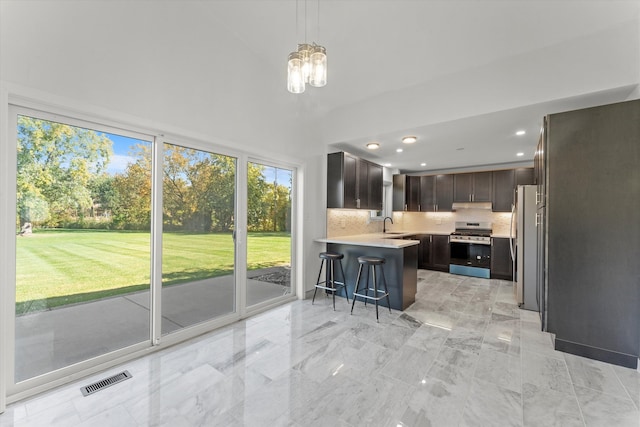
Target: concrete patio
column 49, row 340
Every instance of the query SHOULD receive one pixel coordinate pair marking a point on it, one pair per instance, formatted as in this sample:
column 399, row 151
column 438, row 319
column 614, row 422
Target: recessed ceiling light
column 387, row 165
column 373, row 146
column 399, row 150
column 409, row 139
column 520, row 154
column 520, row 132
column 423, row 164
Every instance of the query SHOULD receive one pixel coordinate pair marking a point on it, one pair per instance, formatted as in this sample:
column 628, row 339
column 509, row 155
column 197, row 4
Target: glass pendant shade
column 318, row 76
column 305, row 51
column 295, row 74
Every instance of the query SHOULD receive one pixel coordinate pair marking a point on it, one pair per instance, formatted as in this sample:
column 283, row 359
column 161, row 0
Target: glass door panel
column 198, row 248
column 82, row 244
column 269, row 191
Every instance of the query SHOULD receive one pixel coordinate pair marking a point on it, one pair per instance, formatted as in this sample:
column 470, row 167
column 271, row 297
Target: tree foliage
column 56, row 163
column 62, row 181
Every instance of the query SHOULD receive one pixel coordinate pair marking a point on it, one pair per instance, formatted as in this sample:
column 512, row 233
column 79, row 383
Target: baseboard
column 621, row 359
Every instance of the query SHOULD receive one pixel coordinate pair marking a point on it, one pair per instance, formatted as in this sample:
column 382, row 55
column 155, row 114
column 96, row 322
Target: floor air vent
column 97, row 386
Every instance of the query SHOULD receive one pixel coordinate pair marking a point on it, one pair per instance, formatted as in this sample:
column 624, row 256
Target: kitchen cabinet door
column 427, row 193
column 375, row 186
column 399, row 192
column 503, row 190
column 501, row 263
column 413, row 193
column 462, row 187
column 444, row 193
column 406, row 193
column 440, row 252
column 342, row 180
column 525, row 176
column 362, row 200
column 482, row 187
column 424, row 251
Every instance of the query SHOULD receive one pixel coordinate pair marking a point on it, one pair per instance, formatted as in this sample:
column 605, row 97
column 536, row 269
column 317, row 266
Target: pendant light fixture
column 307, row 65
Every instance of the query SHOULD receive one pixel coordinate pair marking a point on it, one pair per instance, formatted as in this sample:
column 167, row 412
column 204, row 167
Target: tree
column 131, row 207
column 257, row 186
column 198, row 190
column 55, row 165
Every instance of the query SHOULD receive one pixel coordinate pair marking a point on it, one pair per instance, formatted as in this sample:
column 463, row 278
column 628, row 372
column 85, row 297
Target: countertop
column 392, row 240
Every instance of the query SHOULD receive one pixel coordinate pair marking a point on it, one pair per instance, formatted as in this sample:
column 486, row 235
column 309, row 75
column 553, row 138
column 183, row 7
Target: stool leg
column 366, row 285
column 353, row 303
column 384, row 282
column 317, row 281
column 375, row 290
column 344, row 281
column 333, row 284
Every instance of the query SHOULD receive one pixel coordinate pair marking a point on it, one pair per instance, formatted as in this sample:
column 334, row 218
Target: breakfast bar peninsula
column 400, row 268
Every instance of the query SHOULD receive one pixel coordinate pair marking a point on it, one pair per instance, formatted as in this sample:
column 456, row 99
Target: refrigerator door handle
column 511, row 242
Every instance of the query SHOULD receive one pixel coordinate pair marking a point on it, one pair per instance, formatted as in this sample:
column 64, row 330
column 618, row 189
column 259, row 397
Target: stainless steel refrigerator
column 525, row 248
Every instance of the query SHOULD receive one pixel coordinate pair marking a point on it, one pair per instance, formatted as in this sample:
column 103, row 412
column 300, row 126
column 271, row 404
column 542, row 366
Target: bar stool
column 330, row 283
column 370, row 263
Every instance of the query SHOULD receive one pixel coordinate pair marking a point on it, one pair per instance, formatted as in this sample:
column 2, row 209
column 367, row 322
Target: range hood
column 458, row 206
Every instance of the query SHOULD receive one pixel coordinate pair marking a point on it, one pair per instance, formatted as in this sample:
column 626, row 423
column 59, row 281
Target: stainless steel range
column 470, row 246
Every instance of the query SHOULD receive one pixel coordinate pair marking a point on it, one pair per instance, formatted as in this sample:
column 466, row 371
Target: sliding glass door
column 83, row 215
column 269, row 219
column 198, row 245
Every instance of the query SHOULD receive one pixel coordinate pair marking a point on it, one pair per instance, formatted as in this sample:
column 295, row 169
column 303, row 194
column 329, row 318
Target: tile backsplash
column 344, row 222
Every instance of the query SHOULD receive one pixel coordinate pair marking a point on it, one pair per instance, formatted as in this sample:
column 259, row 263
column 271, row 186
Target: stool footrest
column 329, row 288
column 384, row 294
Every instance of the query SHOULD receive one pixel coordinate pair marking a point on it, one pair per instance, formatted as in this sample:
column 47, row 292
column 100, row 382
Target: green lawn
column 58, row 267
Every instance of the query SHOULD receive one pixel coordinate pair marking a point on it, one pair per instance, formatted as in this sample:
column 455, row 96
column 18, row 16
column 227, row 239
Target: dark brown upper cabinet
column 436, row 193
column 406, row 193
column 472, row 187
column 353, row 183
column 504, row 186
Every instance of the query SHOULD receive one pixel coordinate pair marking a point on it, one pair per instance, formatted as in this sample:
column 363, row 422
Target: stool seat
column 373, row 260
column 331, row 255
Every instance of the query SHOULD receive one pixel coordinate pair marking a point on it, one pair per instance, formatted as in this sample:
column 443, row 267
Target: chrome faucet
column 384, row 223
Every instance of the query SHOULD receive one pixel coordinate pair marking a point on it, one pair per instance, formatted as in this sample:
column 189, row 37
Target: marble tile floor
column 463, row 355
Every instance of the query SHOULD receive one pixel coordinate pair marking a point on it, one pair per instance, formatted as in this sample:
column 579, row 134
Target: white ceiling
column 463, row 76
column 381, row 52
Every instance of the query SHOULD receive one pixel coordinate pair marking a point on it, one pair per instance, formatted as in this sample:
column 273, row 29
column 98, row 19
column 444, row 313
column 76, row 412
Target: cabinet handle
column 435, row 208
column 405, row 207
column 537, row 217
column 537, row 198
column 419, row 210
column 358, row 203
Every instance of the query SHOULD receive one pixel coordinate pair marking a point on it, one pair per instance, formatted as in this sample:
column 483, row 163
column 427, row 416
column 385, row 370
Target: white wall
column 138, row 61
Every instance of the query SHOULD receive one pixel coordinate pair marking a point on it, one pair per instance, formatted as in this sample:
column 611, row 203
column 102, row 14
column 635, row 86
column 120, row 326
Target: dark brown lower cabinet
column 501, row 264
column 433, row 252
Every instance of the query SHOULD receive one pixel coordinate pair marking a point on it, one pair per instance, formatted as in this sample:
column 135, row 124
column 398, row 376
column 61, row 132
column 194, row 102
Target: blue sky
column 122, row 147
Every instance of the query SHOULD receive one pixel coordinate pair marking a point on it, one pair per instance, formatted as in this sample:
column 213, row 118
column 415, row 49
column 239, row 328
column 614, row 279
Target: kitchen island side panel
column 400, row 270
column 593, row 236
